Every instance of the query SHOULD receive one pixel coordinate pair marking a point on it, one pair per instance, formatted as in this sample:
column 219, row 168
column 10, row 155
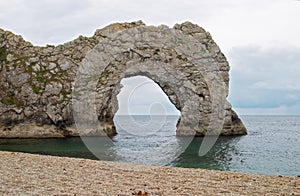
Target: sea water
column 272, row 146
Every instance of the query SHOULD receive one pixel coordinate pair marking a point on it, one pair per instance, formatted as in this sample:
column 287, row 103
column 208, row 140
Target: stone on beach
column 27, row 174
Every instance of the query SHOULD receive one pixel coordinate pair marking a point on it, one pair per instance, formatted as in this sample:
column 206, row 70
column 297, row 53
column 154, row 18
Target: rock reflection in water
column 219, row 157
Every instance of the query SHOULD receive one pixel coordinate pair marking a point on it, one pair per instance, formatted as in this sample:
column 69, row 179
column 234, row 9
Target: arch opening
column 144, row 108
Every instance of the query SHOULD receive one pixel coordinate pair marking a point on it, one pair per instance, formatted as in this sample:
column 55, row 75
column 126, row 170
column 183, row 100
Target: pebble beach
column 31, row 174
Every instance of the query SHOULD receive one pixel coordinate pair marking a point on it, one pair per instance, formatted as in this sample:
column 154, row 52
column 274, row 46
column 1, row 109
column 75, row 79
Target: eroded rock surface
column 36, row 83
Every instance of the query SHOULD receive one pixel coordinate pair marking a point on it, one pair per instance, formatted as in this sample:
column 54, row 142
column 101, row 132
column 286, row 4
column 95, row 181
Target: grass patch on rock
column 8, row 101
column 3, row 54
column 35, row 89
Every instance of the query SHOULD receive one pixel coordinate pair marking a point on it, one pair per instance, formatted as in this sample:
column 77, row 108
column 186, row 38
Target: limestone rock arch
column 184, row 61
column 45, row 90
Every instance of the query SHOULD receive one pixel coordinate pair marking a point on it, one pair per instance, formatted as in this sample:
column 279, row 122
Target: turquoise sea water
column 272, row 146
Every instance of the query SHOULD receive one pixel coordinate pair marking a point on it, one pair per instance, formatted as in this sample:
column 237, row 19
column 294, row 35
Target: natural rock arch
column 46, row 90
column 188, row 66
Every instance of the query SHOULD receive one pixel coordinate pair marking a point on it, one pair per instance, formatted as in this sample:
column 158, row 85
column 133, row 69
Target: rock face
column 36, row 83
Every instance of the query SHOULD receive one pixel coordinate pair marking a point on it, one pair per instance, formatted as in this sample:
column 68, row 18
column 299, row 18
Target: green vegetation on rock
column 35, row 89
column 40, row 79
column 8, row 101
column 2, row 54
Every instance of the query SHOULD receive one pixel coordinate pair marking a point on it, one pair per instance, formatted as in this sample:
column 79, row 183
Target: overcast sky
column 260, row 38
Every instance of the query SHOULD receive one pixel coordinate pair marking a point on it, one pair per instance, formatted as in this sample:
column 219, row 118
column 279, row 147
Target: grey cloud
column 57, row 21
column 230, row 22
column 46, row 21
column 265, row 78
